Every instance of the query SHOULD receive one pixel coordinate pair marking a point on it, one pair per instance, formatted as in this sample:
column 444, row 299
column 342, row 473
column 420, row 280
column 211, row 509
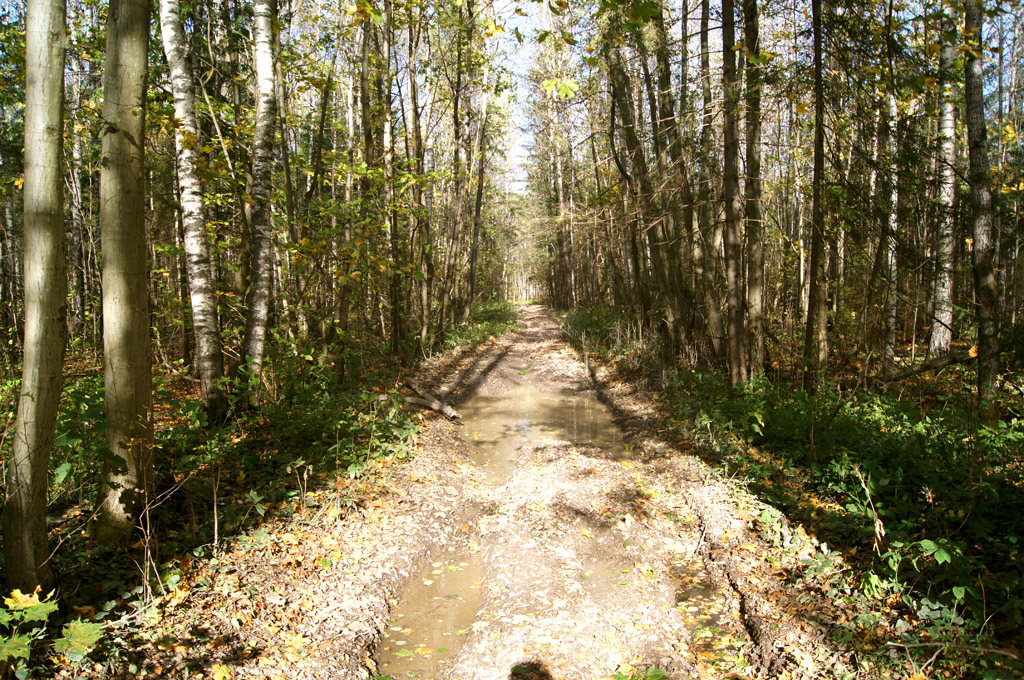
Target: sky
column 520, row 58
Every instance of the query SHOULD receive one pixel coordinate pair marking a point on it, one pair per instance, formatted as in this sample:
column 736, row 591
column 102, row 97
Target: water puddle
column 496, row 426
column 601, row 575
column 702, row 607
column 433, row 618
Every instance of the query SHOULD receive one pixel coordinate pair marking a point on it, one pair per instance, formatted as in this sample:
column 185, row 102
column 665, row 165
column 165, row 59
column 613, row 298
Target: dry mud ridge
column 534, row 540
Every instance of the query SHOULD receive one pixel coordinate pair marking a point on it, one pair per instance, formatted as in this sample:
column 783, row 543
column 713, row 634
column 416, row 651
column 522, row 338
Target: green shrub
column 23, row 622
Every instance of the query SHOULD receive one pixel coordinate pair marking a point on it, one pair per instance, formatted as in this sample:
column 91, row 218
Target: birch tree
column 209, row 360
column 258, row 296
column 942, row 300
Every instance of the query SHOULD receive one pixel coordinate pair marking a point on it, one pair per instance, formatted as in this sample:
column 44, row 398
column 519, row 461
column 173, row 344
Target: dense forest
column 229, row 224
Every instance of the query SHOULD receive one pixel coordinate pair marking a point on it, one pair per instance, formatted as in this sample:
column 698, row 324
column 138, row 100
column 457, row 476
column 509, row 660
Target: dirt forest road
column 534, row 540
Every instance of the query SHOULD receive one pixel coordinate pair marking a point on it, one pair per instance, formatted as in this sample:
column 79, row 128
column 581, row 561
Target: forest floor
column 607, row 555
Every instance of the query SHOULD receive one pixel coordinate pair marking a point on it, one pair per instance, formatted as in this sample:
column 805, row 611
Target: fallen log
column 936, row 364
column 430, row 401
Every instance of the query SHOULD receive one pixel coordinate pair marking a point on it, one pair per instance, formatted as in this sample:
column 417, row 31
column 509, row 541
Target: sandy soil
column 593, row 565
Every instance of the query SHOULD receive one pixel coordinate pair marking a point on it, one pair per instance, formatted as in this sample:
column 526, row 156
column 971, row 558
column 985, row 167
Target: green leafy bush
column 23, row 623
column 488, row 319
column 925, row 499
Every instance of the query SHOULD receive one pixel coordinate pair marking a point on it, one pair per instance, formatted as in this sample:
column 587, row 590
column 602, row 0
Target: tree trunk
column 26, row 548
column 816, row 331
column 754, row 218
column 985, row 289
column 420, row 219
column 886, row 192
column 679, row 260
column 127, row 473
column 942, row 300
column 731, row 198
column 209, row 356
column 261, row 272
column 706, row 255
column 477, row 206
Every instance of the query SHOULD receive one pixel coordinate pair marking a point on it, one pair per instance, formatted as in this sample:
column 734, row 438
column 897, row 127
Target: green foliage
column 267, row 460
column 612, row 336
column 486, row 320
column 651, row 673
column 941, row 487
column 23, row 620
column 79, row 440
column 560, row 88
column 921, row 499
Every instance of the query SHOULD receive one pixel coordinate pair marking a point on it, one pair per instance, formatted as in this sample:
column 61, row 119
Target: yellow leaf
column 587, row 532
column 221, row 672
column 493, row 28
column 19, row 600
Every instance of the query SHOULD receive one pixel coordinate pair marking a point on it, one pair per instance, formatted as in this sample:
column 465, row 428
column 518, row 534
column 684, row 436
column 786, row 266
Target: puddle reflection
column 435, row 615
column 498, row 425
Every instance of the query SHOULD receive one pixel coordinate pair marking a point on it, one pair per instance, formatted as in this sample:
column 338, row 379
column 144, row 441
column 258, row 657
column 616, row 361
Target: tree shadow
column 530, row 670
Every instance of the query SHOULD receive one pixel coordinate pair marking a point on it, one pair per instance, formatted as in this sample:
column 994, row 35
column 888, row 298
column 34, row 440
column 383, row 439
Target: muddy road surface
column 552, row 533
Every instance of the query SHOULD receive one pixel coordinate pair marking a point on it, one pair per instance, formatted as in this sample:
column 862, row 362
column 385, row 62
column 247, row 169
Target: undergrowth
column 923, row 502
column 487, row 319
column 315, row 439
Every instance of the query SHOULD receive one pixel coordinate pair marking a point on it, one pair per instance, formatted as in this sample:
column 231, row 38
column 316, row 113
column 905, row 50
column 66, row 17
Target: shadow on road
column 530, row 670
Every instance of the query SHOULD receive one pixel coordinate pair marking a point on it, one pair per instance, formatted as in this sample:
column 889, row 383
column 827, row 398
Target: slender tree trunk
column 886, row 195
column 396, row 298
column 680, row 259
column 76, row 323
column 816, row 331
column 706, row 255
column 754, row 219
column 202, row 295
column 261, row 269
column 127, row 474
column 478, row 206
column 420, row 214
column 26, row 548
column 985, row 287
column 731, row 198
column 622, row 94
column 453, row 256
column 942, row 300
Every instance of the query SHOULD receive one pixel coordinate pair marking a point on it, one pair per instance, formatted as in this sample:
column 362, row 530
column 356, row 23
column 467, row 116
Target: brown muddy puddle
column 496, row 426
column 433, row 617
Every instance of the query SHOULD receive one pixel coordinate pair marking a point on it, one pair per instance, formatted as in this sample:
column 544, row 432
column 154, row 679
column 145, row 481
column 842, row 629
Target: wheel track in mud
column 661, row 517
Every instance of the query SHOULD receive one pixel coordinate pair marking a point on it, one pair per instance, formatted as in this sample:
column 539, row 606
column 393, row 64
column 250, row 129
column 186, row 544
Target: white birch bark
column 942, row 324
column 202, row 296
column 258, row 297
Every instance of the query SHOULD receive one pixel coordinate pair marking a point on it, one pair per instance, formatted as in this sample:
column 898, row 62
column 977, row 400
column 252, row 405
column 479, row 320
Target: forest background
column 800, row 220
